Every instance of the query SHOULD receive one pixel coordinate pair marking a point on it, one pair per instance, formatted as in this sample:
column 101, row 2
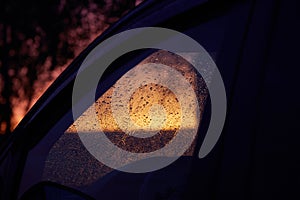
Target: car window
column 68, row 161
column 62, row 158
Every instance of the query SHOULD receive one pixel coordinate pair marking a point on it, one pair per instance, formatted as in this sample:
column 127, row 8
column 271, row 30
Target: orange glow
column 144, row 99
column 93, row 22
column 42, row 84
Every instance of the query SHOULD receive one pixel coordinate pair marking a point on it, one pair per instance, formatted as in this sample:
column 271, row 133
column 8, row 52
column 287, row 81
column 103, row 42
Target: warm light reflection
column 152, row 107
column 70, row 163
column 146, row 99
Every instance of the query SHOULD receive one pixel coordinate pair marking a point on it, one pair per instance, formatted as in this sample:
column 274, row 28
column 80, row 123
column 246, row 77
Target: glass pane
column 152, row 107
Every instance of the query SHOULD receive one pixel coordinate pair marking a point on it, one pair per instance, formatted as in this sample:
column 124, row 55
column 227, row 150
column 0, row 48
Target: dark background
column 38, row 39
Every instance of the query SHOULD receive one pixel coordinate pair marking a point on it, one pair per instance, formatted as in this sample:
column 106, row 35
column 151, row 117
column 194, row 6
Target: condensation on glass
column 70, row 164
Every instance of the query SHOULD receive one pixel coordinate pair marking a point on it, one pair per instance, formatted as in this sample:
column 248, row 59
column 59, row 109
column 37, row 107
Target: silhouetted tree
column 38, row 36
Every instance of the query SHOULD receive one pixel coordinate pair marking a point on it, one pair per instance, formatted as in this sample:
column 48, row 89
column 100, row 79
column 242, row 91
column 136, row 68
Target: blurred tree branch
column 38, row 37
